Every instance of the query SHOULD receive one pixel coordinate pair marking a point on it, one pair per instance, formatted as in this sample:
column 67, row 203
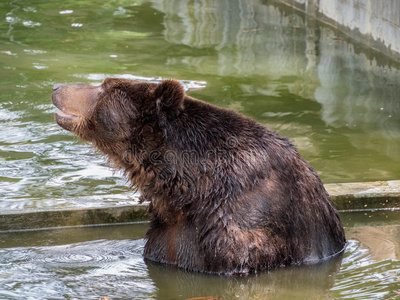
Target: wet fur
column 226, row 194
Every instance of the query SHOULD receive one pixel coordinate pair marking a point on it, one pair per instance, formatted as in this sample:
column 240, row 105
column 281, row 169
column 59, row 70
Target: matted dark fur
column 226, row 194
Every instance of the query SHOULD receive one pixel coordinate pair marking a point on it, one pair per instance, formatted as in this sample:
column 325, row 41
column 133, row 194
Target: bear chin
column 66, row 121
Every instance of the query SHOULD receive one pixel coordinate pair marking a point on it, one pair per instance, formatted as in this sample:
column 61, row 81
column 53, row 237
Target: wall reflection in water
column 306, row 282
column 283, row 54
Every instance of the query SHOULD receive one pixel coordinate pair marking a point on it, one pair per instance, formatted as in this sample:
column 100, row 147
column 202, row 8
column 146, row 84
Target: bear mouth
column 66, row 120
column 62, row 115
column 65, row 115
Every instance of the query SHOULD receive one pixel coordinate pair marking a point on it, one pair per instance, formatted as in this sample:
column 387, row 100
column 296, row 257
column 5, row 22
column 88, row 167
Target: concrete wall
column 374, row 23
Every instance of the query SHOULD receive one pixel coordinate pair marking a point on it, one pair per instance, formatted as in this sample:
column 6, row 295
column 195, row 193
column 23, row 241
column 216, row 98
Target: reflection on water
column 86, row 270
column 308, row 282
column 383, row 242
column 93, row 262
column 363, row 277
column 337, row 101
column 358, row 95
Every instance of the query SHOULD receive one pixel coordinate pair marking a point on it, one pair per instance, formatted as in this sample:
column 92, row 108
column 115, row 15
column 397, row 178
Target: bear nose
column 56, row 87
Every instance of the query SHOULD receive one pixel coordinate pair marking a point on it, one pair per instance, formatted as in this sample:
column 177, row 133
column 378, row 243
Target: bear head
column 101, row 113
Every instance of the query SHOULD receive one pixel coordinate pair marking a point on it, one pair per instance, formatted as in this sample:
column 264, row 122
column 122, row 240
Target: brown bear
column 226, row 195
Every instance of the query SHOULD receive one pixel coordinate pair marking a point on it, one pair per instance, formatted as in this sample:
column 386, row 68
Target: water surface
column 338, row 102
column 93, row 262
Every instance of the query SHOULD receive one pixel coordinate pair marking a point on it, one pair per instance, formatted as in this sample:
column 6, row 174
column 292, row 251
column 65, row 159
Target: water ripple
column 361, row 277
column 85, row 270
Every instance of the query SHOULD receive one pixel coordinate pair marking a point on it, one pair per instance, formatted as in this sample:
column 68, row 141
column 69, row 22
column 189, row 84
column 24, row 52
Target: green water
column 92, row 262
column 338, row 102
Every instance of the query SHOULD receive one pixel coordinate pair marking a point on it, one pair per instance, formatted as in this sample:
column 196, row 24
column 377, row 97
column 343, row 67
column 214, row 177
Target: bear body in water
column 226, row 194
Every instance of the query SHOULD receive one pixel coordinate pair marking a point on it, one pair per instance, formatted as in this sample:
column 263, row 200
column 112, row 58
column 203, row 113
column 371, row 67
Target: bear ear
column 169, row 95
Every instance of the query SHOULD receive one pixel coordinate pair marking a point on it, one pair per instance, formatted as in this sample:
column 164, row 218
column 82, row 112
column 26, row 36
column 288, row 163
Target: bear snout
column 75, row 99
